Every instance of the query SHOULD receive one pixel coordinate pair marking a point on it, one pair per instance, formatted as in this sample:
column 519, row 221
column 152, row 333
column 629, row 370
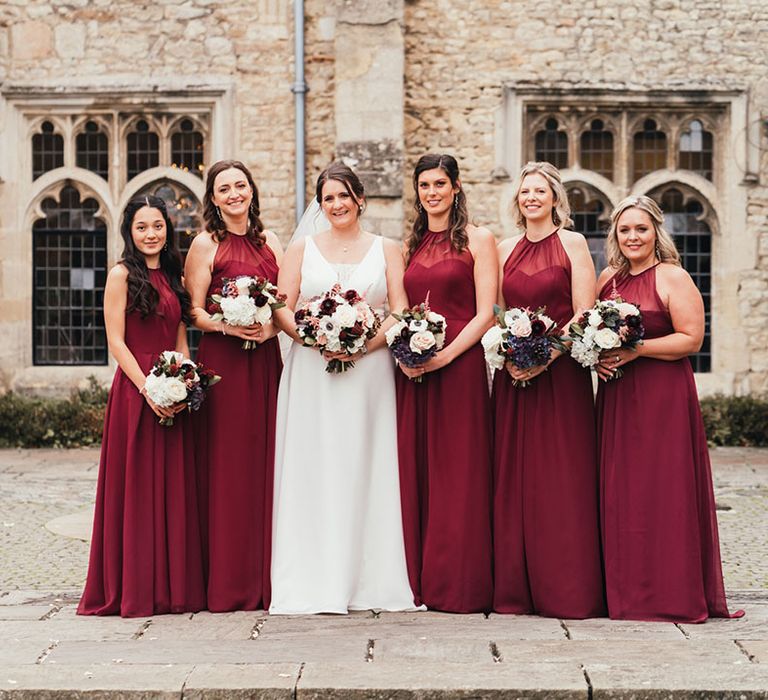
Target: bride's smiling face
column 339, row 204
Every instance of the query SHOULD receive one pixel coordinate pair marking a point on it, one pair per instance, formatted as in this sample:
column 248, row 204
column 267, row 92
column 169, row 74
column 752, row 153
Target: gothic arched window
column 47, row 150
column 686, row 218
column 187, row 148
column 597, row 149
column 92, row 150
column 649, row 149
column 143, row 149
column 590, row 211
column 551, row 144
column 69, row 272
column 696, row 149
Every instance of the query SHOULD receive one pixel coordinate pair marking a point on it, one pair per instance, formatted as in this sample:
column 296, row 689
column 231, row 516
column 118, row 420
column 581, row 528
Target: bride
column 337, row 529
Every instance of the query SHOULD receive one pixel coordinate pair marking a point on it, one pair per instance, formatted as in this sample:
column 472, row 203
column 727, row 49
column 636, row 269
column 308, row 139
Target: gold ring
column 618, row 359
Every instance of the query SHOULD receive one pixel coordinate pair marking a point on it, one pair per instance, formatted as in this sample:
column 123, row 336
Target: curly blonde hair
column 666, row 251
column 561, row 209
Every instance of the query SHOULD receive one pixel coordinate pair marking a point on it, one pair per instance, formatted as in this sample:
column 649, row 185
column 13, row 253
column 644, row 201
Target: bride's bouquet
column 520, row 336
column 175, row 379
column 417, row 336
column 337, row 321
column 244, row 301
column 613, row 323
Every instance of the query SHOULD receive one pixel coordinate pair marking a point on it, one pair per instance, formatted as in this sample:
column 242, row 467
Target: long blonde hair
column 666, row 251
column 561, row 209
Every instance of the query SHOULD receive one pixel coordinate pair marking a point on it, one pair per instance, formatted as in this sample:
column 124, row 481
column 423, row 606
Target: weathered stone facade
column 388, row 80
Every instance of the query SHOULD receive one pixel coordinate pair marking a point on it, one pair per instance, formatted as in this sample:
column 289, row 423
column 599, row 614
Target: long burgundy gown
column 145, row 551
column 659, row 527
column 444, row 439
column 546, row 537
column 236, row 439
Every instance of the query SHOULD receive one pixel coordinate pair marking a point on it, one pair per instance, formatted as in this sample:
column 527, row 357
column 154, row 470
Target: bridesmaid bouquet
column 244, row 301
column 337, row 321
column 175, row 379
column 609, row 324
column 520, row 336
column 417, row 336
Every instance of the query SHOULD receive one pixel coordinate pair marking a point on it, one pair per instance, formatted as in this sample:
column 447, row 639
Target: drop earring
column 218, row 213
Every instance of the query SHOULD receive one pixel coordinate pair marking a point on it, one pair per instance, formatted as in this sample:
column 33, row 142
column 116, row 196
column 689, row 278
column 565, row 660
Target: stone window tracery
column 92, row 149
column 47, row 150
column 649, row 149
column 69, row 273
column 551, row 144
column 143, row 149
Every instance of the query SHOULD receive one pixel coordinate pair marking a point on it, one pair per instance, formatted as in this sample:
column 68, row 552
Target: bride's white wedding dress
column 337, row 530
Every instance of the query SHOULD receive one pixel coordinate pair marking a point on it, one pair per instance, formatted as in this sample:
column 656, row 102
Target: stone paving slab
column 473, row 651
column 204, row 625
column 14, row 651
column 646, row 651
column 80, row 629
column 25, row 612
column 424, row 681
column 756, row 650
column 754, row 625
column 49, row 682
column 144, row 651
column 236, row 682
column 743, row 681
column 621, row 629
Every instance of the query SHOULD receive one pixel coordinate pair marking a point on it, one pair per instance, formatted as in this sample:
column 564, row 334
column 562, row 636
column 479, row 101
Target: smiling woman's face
column 636, row 235
column 232, row 193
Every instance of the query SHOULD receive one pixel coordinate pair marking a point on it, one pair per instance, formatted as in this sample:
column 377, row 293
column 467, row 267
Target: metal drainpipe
column 299, row 90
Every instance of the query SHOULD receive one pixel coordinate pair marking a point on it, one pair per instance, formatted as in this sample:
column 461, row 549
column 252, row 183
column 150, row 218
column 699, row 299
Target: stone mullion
column 622, row 151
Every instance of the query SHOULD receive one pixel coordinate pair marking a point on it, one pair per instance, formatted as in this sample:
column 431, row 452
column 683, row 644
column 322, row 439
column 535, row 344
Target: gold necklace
column 345, row 247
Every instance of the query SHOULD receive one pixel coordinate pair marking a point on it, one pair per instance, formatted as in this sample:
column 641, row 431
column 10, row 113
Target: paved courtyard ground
column 46, row 497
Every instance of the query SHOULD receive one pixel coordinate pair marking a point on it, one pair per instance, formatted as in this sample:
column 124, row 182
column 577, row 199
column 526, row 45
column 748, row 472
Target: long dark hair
column 214, row 224
column 459, row 218
column 346, row 176
column 142, row 296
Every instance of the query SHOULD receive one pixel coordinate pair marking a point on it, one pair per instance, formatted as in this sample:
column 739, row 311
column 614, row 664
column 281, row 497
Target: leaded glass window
column 650, row 149
column 92, row 149
column 69, row 274
column 552, row 144
column 47, row 150
column 597, row 149
column 187, row 148
column 143, row 149
column 696, row 149
column 590, row 212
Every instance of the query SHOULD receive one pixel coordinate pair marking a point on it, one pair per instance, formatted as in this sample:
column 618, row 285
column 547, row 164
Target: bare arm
column 396, row 296
column 288, row 282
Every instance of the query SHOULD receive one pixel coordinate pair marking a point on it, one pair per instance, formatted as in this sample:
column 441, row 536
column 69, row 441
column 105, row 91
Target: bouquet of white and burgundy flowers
column 337, row 321
column 417, row 336
column 520, row 336
column 175, row 379
column 613, row 323
column 244, row 301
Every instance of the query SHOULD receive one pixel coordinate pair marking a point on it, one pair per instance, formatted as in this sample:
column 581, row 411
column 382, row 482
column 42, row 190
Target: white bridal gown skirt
column 337, row 528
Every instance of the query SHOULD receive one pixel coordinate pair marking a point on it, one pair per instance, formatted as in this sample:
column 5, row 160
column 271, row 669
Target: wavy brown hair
column 142, row 296
column 214, row 224
column 346, row 176
column 459, row 217
column 665, row 248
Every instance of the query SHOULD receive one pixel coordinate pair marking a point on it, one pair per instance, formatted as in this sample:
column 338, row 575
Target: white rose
column 172, row 358
column 432, row 317
column 607, row 339
column 439, row 340
column 626, row 309
column 165, row 391
column 422, row 341
column 511, row 315
column 395, row 331
column 238, row 311
column 263, row 314
column 594, row 318
column 345, row 315
column 521, row 326
column 417, row 326
column 314, row 307
column 546, row 320
column 491, row 340
column 242, row 284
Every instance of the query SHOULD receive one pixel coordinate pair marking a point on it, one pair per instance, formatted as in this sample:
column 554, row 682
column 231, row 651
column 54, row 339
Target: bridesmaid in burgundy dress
column 236, row 425
column 546, row 538
column 145, row 551
column 659, row 528
column 444, row 422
